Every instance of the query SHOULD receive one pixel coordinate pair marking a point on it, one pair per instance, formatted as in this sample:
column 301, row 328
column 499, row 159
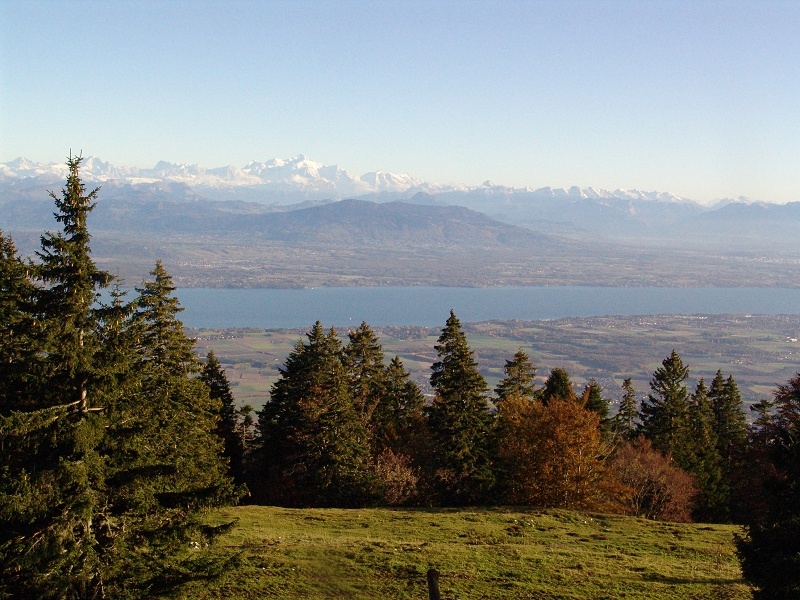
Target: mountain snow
column 295, row 175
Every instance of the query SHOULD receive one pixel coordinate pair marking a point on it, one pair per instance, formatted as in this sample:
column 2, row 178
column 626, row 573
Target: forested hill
column 348, row 222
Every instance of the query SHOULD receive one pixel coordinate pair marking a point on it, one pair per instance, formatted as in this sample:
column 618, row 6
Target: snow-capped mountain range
column 296, row 175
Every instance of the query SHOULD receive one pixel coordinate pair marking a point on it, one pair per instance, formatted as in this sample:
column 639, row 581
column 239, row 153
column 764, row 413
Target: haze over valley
column 298, row 223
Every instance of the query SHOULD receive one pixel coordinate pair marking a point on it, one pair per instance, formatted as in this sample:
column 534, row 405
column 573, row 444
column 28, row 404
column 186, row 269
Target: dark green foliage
column 557, row 385
column 100, row 433
column 312, row 448
column 400, row 419
column 363, row 360
column 592, row 399
column 730, row 423
column 229, row 428
column 700, row 458
column 770, row 549
column 19, row 346
column 519, row 378
column 664, row 415
column 51, row 474
column 624, row 422
column 459, row 421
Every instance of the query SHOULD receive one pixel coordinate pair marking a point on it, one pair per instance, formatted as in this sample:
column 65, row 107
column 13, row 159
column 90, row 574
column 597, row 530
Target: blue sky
column 701, row 99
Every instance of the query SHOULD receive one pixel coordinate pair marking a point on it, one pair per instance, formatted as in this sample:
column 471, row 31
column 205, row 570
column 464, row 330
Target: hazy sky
column 701, row 99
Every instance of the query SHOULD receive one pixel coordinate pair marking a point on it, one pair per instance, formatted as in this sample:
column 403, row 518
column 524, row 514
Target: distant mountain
column 259, row 189
column 300, row 176
column 297, row 176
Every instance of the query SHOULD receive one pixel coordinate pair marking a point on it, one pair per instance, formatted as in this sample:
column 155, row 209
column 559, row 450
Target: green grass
column 480, row 553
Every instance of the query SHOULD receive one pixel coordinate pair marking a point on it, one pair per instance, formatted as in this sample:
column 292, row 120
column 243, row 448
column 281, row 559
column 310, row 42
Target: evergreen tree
column 624, row 422
column 363, row 359
column 228, row 426
column 459, row 421
column 665, row 413
column 312, row 448
column 400, row 419
column 107, row 452
column 51, row 474
column 557, row 385
column 519, row 378
column 19, row 342
column 165, row 462
column 592, row 399
column 700, row 458
column 770, row 548
column 730, row 423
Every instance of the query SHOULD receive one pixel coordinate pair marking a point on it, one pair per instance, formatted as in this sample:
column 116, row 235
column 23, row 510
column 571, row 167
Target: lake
column 430, row 306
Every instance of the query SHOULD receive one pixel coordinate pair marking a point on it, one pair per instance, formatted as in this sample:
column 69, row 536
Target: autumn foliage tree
column 658, row 489
column 554, row 455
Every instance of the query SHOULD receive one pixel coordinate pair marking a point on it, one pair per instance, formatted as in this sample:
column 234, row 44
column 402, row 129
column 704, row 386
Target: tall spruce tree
column 107, row 451
column 519, row 378
column 400, row 418
column 52, row 475
column 19, row 342
column 730, row 422
column 557, row 385
column 770, row 549
column 229, row 428
column 699, row 457
column 624, row 422
column 165, row 463
column 312, row 448
column 592, row 399
column 363, row 359
column 459, row 421
column 664, row 415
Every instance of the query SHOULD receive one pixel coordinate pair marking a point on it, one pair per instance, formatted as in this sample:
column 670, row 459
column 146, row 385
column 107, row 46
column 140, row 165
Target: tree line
column 115, row 437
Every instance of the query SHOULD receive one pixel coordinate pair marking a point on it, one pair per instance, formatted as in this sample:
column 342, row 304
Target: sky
column 700, row 99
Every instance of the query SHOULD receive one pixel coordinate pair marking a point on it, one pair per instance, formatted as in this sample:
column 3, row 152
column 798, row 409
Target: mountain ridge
column 298, row 174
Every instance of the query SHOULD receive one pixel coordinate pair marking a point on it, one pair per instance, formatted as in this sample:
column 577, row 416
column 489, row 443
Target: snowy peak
column 303, row 176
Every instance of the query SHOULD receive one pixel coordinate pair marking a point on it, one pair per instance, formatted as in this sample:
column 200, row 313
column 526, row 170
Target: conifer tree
column 519, row 378
column 699, row 457
column 664, row 414
column 459, row 420
column 363, row 359
column 557, row 385
column 400, row 418
column 165, row 462
column 592, row 399
column 107, row 452
column 624, row 422
column 770, row 548
column 228, row 428
column 51, row 474
column 730, row 423
column 19, row 342
column 312, row 448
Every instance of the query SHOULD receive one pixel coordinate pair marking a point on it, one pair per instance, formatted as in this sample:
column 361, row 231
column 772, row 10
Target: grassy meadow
column 480, row 552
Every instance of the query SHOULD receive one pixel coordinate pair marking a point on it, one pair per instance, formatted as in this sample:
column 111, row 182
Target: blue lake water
column 430, row 306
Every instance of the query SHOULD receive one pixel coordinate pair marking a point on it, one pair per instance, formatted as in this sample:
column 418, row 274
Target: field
column 760, row 351
column 484, row 553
